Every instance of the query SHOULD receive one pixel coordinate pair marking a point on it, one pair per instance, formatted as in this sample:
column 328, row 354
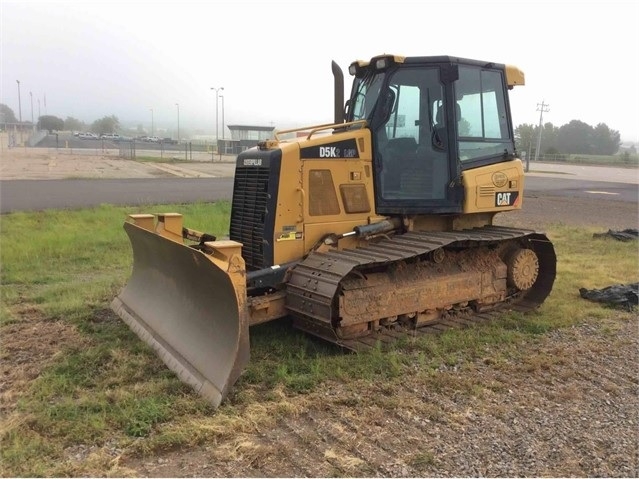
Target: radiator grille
column 250, row 196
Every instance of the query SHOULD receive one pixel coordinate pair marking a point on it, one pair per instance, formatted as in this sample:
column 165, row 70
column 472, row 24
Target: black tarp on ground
column 619, row 295
column 628, row 234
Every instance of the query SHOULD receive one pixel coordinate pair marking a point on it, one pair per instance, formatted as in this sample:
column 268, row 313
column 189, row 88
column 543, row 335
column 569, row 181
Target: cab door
column 412, row 151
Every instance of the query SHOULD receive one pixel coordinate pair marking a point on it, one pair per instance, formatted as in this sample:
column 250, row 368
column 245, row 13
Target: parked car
column 88, row 136
column 169, row 141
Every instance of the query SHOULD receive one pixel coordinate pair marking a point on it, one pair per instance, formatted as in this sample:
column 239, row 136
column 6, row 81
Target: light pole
column 151, row 121
column 216, row 109
column 19, row 109
column 178, row 118
column 222, row 97
column 32, row 123
column 39, row 115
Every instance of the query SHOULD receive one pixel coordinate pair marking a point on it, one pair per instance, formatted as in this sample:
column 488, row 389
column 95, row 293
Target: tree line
column 51, row 123
column 103, row 126
column 572, row 138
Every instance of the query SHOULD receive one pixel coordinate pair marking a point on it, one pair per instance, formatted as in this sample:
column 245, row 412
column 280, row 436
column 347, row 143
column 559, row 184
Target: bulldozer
column 364, row 230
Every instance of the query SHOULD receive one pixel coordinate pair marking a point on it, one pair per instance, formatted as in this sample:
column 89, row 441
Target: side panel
column 337, row 180
column 287, row 238
column 494, row 188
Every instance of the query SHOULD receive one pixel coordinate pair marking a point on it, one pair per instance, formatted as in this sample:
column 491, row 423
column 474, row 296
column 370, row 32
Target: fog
column 137, row 60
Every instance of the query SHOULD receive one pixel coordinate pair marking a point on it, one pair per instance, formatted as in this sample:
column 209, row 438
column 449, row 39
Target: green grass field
column 78, row 377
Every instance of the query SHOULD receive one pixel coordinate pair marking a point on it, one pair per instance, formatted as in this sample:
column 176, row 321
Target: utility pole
column 541, row 108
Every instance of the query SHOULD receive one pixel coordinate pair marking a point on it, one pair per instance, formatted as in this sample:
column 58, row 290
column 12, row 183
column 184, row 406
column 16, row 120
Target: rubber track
column 314, row 282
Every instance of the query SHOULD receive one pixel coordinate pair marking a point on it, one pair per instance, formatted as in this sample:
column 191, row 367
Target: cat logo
column 506, row 199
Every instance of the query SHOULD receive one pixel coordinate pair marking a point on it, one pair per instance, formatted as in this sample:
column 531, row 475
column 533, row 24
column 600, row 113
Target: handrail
column 315, row 129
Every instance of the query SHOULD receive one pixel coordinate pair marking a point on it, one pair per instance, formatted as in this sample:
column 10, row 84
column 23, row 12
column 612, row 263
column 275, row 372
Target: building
column 244, row 137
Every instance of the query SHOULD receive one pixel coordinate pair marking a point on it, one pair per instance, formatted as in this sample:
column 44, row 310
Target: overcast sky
column 92, row 59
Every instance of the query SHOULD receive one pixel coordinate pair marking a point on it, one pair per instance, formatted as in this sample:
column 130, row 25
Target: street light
column 20, row 109
column 216, row 109
column 32, row 123
column 178, row 116
column 222, row 97
column 151, row 121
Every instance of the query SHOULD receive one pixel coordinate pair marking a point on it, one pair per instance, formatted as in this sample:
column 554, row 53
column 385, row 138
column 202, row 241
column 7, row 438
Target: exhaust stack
column 339, row 92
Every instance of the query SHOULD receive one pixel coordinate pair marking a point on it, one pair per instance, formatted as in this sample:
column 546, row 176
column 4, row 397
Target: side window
column 482, row 123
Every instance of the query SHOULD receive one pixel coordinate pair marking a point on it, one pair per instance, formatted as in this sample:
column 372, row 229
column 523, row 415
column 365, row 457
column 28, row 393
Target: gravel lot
column 570, row 410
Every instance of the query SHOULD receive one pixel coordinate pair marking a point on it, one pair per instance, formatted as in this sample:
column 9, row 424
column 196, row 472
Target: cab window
column 481, row 108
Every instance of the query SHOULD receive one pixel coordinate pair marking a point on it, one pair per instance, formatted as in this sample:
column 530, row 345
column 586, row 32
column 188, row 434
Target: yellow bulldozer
column 367, row 229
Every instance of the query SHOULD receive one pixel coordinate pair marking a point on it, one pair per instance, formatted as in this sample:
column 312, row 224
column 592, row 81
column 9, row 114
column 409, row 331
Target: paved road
column 580, row 188
column 33, row 195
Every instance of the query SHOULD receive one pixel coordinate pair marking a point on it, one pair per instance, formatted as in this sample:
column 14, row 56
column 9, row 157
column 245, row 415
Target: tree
column 525, row 138
column 605, row 141
column 50, row 123
column 73, row 124
column 549, row 139
column 7, row 115
column 463, row 127
column 108, row 124
column 575, row 137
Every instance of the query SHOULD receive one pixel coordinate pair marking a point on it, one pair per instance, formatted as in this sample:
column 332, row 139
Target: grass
column 626, row 159
column 94, row 383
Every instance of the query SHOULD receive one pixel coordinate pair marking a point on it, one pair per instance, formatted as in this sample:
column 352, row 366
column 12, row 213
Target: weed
column 422, row 459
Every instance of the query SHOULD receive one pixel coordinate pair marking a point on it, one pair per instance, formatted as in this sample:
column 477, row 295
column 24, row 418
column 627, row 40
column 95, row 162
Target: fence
column 188, row 151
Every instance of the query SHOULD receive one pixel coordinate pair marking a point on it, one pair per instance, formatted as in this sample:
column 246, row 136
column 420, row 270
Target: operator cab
column 431, row 118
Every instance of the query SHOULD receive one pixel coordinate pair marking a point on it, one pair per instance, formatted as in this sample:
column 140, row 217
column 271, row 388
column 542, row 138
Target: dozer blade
column 190, row 307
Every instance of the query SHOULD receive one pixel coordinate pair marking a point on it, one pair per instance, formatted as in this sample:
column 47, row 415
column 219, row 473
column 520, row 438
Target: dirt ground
column 570, row 409
column 51, row 163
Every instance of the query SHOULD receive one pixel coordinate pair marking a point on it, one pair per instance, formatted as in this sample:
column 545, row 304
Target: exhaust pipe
column 339, row 92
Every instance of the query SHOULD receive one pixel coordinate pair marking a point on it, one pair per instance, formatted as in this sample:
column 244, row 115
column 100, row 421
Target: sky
column 138, row 59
